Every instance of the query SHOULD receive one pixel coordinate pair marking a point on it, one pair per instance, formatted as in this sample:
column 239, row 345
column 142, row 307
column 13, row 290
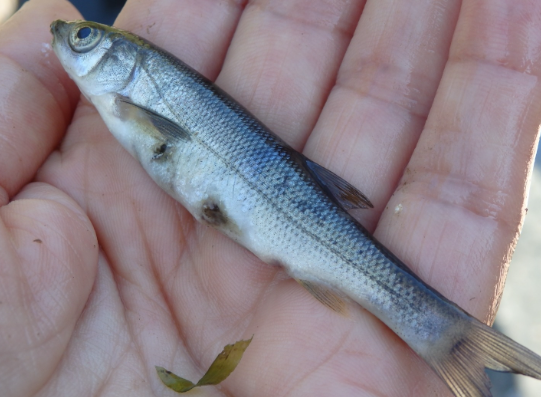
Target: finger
column 383, row 92
column 196, row 31
column 47, row 267
column 462, row 197
column 37, row 98
column 284, row 58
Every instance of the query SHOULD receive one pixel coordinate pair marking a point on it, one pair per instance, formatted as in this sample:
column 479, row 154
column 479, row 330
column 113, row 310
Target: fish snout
column 59, row 29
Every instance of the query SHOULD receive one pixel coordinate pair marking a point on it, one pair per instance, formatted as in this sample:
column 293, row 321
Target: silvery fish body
column 232, row 173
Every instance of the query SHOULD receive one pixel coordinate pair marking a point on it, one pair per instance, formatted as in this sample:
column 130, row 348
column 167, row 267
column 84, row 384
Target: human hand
column 164, row 290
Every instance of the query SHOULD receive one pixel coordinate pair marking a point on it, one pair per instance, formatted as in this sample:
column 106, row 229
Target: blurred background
column 104, row 11
column 519, row 316
column 7, row 7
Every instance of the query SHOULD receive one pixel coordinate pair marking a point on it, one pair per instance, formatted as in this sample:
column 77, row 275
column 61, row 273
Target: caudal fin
column 463, row 368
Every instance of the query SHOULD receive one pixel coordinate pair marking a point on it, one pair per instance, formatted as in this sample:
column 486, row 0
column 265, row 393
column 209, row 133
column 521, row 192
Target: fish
column 232, row 173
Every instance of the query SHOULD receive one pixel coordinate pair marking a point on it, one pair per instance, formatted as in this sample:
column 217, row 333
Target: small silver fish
column 231, row 172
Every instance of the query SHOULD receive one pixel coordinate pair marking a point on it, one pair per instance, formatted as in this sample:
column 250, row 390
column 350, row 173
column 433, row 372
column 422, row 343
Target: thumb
column 47, row 269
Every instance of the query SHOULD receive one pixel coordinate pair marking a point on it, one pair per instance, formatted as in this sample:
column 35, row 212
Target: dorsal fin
column 347, row 195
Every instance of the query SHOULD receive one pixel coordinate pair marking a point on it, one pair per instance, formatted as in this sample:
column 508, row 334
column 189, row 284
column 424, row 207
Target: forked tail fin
column 463, row 368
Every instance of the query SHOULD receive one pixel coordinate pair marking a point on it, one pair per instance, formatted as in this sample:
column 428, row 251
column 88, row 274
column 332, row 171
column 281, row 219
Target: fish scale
column 233, row 173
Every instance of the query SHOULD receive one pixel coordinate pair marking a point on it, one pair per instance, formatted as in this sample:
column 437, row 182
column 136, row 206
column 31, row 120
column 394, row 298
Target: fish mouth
column 57, row 26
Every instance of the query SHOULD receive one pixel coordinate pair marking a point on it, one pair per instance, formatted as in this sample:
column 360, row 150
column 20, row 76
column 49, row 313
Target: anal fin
column 326, row 296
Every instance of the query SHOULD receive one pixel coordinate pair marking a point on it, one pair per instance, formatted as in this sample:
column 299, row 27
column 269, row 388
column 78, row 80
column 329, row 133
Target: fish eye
column 84, row 32
column 84, row 38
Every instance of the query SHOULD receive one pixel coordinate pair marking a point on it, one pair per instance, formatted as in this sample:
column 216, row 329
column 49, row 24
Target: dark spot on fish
column 275, row 262
column 159, row 151
column 38, row 241
column 212, row 214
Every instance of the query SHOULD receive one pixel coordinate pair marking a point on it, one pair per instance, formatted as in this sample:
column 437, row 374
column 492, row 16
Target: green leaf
column 219, row 370
column 173, row 381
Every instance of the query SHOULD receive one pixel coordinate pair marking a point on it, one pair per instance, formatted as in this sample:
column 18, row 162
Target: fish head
column 99, row 58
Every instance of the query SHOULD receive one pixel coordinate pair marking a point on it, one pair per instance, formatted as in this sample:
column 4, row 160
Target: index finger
column 37, row 98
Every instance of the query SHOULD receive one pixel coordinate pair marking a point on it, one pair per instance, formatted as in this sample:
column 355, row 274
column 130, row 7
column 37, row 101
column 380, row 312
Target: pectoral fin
column 326, row 296
column 347, row 195
column 168, row 128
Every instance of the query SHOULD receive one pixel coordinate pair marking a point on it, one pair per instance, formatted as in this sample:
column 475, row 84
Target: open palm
column 431, row 108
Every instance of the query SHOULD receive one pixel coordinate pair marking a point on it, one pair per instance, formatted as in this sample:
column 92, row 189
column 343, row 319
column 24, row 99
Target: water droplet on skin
column 45, row 49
